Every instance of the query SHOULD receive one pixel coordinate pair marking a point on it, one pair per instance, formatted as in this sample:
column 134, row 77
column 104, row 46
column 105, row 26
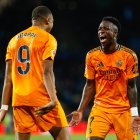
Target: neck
column 38, row 24
column 110, row 48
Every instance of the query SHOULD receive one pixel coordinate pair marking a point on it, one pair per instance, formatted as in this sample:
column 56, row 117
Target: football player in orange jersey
column 29, row 79
column 111, row 71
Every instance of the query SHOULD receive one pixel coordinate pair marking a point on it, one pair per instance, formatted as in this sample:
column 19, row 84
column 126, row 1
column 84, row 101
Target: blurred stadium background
column 75, row 28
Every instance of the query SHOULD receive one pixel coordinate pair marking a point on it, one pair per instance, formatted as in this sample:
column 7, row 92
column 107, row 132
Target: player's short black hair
column 114, row 20
column 40, row 12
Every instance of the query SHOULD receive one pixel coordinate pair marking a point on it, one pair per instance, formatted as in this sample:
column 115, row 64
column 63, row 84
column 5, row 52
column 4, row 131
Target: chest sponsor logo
column 111, row 74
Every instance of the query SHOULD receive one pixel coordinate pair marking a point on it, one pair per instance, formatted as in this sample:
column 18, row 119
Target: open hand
column 76, row 118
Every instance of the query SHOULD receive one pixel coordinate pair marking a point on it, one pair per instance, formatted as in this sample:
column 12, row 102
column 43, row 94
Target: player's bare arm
column 49, row 81
column 7, row 90
column 88, row 92
column 132, row 92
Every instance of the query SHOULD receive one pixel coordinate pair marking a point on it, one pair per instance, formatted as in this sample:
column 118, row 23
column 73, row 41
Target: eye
column 103, row 28
column 106, row 28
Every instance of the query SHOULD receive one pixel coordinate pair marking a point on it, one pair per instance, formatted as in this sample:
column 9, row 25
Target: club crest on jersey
column 119, row 63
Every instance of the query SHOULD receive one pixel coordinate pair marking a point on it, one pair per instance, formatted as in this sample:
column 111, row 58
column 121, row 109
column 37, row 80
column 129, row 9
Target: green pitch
column 43, row 137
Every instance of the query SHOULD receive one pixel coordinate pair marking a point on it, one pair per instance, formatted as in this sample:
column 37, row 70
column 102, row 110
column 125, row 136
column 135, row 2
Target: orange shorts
column 25, row 120
column 100, row 123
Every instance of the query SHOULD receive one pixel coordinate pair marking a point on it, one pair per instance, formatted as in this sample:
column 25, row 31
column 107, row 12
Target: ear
column 116, row 34
column 47, row 20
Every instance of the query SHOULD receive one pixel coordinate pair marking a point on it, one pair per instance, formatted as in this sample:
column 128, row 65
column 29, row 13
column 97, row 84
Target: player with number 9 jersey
column 30, row 80
column 27, row 50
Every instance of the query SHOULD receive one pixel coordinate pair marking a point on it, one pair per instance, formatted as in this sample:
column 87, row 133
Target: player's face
column 106, row 33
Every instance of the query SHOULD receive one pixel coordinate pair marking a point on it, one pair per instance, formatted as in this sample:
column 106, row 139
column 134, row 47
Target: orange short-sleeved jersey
column 111, row 73
column 27, row 50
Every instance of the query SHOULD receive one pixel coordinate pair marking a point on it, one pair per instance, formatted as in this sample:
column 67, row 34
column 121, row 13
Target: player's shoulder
column 12, row 40
column 46, row 35
column 18, row 34
column 128, row 51
column 95, row 50
column 51, row 37
column 23, row 33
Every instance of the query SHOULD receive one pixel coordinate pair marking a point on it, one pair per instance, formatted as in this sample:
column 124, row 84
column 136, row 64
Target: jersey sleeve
column 50, row 48
column 9, row 51
column 89, row 68
column 132, row 66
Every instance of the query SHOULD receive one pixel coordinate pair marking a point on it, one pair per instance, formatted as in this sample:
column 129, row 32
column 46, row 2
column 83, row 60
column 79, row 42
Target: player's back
column 27, row 50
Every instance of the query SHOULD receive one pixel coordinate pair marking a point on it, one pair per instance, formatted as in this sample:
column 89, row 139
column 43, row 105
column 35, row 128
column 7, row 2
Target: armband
column 134, row 111
column 4, row 107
